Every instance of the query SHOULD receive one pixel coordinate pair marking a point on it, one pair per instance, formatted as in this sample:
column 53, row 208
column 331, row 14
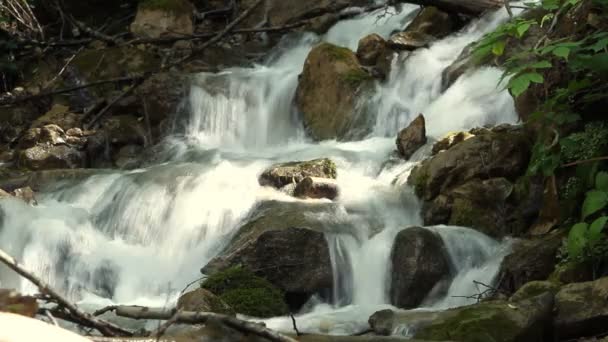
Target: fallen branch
column 578, row 162
column 106, row 328
column 189, row 317
column 295, row 326
column 163, row 328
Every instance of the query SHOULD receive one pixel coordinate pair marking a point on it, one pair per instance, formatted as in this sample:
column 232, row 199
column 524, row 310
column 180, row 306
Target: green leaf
column 599, row 45
column 498, row 48
column 522, row 29
column 535, row 77
column 577, row 239
column 594, row 234
column 545, row 18
column 544, row 64
column 595, row 201
column 562, row 51
column 601, row 181
column 519, row 84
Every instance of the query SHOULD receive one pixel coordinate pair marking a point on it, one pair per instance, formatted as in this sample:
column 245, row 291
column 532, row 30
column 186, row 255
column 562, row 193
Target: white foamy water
column 139, row 237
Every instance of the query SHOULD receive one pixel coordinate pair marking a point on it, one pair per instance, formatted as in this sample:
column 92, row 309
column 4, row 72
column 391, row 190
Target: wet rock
column 285, row 244
column 501, row 321
column 61, row 116
column 41, row 180
column 14, row 120
column 13, row 302
column 202, row 300
column 162, row 94
column 47, row 147
column 533, row 289
column 419, row 262
column 572, row 272
column 388, row 322
column 531, row 259
column 327, row 94
column 163, row 18
column 314, row 187
column 450, row 140
column 410, row 40
column 411, row 138
column 582, row 309
column 279, row 175
column 433, row 22
column 25, row 194
column 370, row 48
column 501, row 152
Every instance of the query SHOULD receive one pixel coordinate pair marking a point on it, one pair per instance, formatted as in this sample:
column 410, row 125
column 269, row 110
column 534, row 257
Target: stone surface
column 47, row 147
column 327, row 94
column 410, row 40
column 201, row 300
column 433, row 22
column 533, row 289
column 411, row 138
column 582, row 309
column 161, row 94
column 11, row 301
column 61, row 116
column 314, row 187
column 284, row 243
column 531, row 259
column 419, row 262
column 370, row 48
column 279, row 175
column 161, row 18
column 450, row 140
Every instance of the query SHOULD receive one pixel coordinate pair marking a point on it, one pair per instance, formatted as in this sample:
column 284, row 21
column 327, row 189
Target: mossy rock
column 247, row 293
column 279, row 175
column 533, row 289
column 571, row 272
column 202, row 300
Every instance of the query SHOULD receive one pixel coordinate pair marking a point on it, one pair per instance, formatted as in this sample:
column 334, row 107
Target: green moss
column 176, row 6
column 337, row 52
column 329, row 167
column 247, row 293
column 473, row 324
column 356, row 77
column 419, row 179
column 533, row 289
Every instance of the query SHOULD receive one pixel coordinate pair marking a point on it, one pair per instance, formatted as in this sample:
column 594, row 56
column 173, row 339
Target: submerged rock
column 411, row 138
column 280, row 175
column 328, row 91
column 163, row 18
column 314, row 187
column 284, row 243
column 582, row 309
column 419, row 263
column 202, row 300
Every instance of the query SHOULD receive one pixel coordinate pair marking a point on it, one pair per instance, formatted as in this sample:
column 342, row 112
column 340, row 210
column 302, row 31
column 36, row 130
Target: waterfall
column 138, row 237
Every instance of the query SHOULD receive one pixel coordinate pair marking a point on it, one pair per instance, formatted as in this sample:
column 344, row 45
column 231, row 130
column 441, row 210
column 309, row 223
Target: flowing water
column 138, row 237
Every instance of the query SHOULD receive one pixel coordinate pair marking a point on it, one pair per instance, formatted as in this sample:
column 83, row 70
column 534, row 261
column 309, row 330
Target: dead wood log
column 106, row 328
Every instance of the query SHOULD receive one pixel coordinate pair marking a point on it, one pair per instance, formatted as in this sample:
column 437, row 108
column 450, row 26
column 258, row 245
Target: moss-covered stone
column 246, row 293
column 533, row 289
column 279, row 175
column 202, row 300
column 571, row 272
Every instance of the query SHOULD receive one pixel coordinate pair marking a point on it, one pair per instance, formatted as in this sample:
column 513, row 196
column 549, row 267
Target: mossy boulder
column 582, row 309
column 314, row 187
column 370, row 48
column 246, row 293
column 202, row 300
column 282, row 174
column 419, row 263
column 283, row 242
column 61, row 116
column 497, row 321
column 572, row 272
column 161, row 18
column 328, row 92
column 533, row 289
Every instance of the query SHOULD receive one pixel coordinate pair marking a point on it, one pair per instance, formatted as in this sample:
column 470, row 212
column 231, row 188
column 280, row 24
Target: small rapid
column 138, row 237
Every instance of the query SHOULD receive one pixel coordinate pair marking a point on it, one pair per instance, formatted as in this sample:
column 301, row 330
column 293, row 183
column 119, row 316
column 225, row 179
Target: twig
column 112, row 103
column 104, row 310
column 51, row 318
column 65, row 66
column 295, row 326
column 578, row 162
column 106, row 328
column 190, row 284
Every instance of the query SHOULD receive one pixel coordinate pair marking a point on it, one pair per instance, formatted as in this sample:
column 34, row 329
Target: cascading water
column 137, row 237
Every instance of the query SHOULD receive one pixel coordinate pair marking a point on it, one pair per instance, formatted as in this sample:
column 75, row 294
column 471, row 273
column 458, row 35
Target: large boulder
column 434, row 22
column 370, row 48
column 419, row 262
column 49, row 147
column 501, row 152
column 161, row 18
column 582, row 310
column 280, row 175
column 327, row 94
column 61, row 116
column 202, row 300
column 498, row 321
column 533, row 289
column 283, row 242
column 530, row 259
column 411, row 138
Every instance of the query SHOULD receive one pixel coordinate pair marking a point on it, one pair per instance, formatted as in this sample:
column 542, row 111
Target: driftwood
column 191, row 317
column 467, row 7
column 106, row 328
